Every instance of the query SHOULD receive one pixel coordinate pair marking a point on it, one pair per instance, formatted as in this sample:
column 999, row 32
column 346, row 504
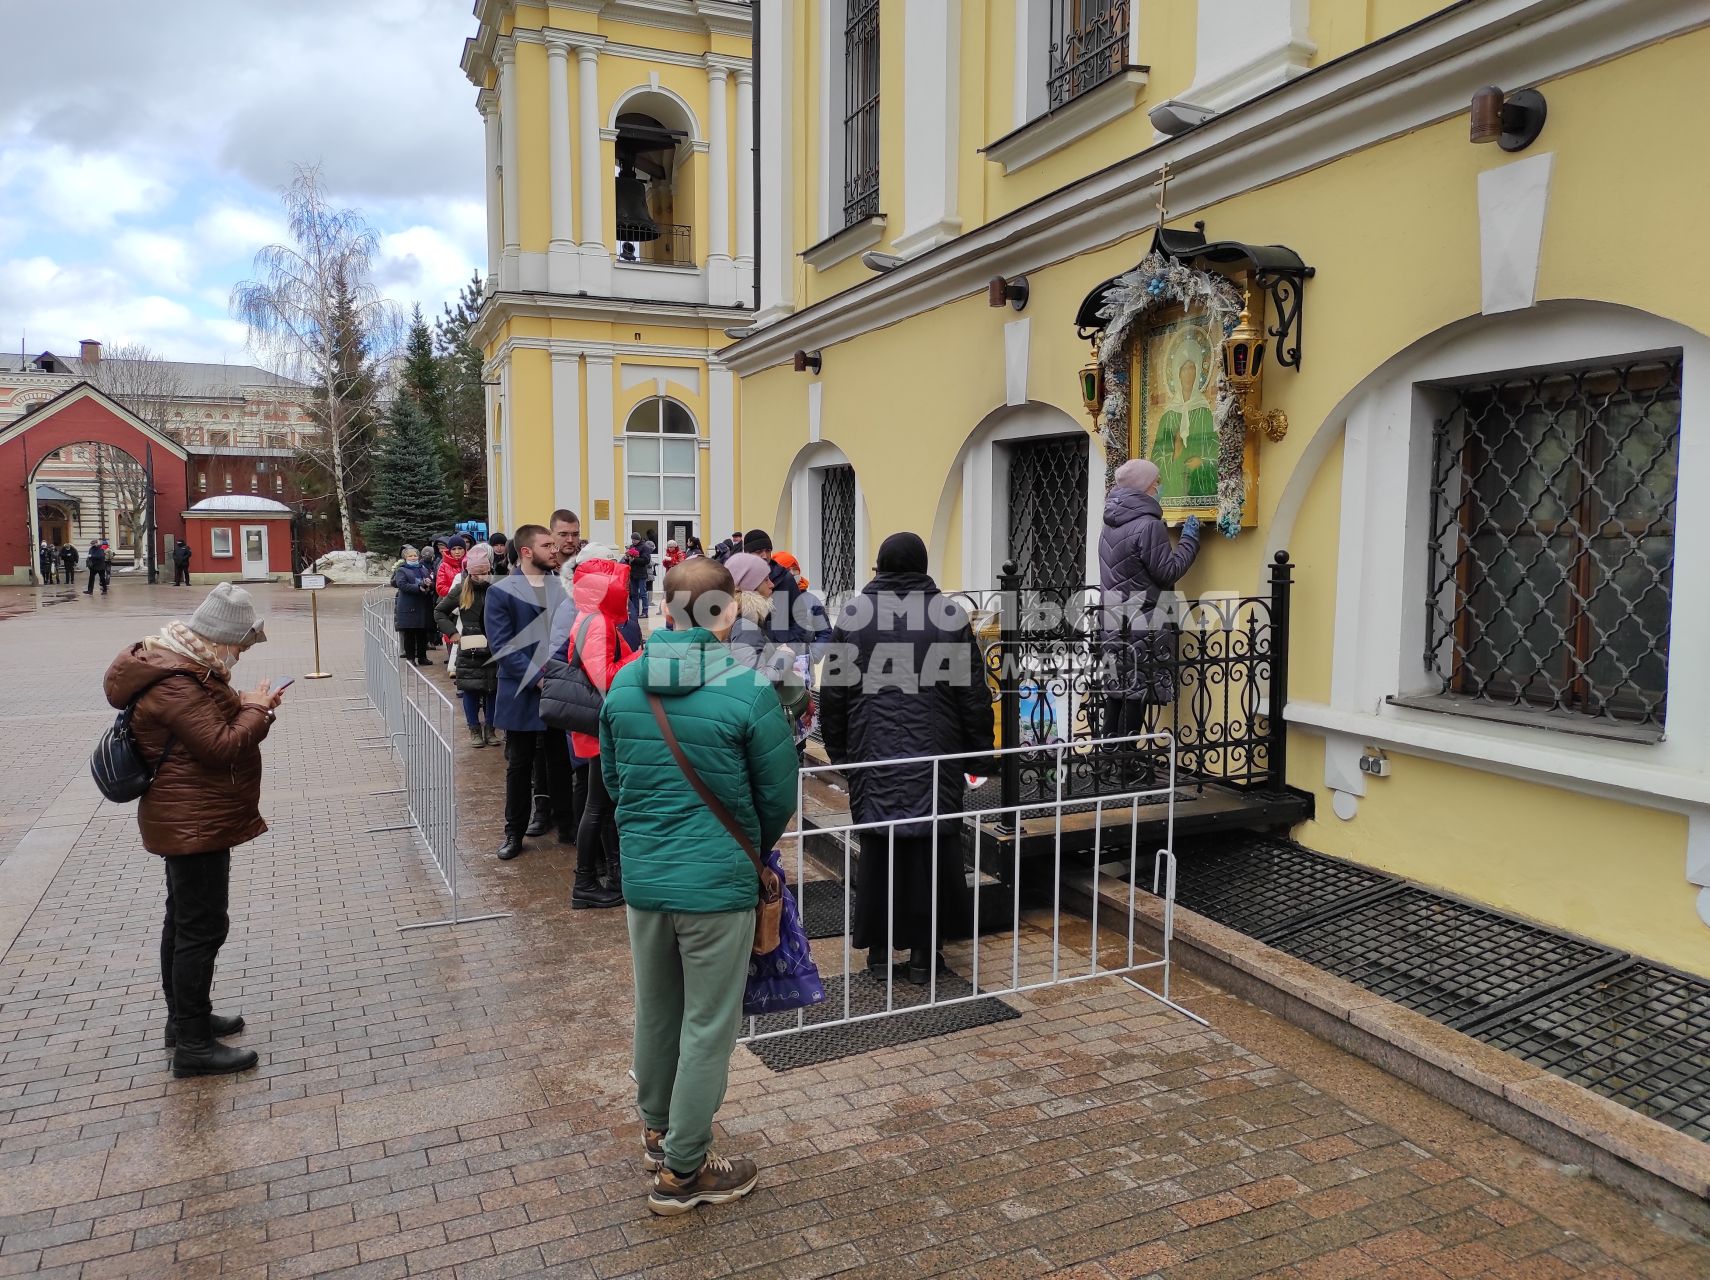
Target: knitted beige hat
column 227, row 616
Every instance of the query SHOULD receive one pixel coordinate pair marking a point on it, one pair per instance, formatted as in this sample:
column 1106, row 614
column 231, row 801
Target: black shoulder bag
column 120, row 770
column 568, row 698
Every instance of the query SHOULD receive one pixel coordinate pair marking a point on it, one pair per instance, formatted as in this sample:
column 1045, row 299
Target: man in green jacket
column 691, row 887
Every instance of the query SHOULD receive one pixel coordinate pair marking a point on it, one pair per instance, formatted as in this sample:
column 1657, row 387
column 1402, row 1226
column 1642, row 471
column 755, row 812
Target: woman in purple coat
column 1137, row 563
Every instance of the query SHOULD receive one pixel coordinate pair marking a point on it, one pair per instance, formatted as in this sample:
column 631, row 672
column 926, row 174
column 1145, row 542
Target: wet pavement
column 455, row 1103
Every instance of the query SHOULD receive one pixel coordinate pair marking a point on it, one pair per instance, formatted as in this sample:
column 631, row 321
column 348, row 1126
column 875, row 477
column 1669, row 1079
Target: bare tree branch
column 138, row 378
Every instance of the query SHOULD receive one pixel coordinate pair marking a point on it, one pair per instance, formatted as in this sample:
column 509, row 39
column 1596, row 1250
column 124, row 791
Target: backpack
column 120, row 771
column 569, row 699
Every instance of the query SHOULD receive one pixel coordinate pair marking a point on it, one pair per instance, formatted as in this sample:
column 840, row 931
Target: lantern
column 1092, row 386
column 1243, row 364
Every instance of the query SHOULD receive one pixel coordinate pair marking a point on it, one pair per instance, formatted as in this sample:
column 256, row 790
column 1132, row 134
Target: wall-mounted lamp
column 807, row 362
column 1011, row 292
column 873, row 260
column 739, row 332
column 1092, row 385
column 1513, row 121
column 1243, row 365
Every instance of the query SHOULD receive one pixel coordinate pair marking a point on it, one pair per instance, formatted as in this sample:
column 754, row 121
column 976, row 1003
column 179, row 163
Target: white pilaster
column 566, row 433
column 596, row 256
column 495, row 194
column 777, row 134
column 561, row 268
column 721, row 270
column 507, row 445
column 495, row 459
column 602, row 455
column 721, row 473
column 932, row 69
column 1246, row 47
column 745, row 180
column 830, row 80
column 510, row 262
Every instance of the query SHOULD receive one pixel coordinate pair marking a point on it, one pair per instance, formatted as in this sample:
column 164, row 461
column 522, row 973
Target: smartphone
column 288, row 683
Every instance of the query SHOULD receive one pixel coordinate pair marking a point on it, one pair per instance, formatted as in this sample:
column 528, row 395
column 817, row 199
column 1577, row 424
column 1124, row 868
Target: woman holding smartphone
column 203, row 739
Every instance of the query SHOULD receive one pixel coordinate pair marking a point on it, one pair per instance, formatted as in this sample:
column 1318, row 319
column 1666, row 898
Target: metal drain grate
column 1639, row 1035
column 867, row 995
column 822, row 908
column 1444, row 958
column 1265, row 888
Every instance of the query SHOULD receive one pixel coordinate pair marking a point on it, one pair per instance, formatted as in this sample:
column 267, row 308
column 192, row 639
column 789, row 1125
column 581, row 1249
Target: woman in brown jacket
column 205, row 741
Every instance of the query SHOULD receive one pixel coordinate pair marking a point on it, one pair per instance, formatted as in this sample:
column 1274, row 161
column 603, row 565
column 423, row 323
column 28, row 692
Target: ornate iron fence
column 1077, row 666
column 673, row 246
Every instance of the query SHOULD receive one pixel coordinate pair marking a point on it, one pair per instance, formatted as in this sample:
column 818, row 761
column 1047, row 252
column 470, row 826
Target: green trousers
column 689, row 974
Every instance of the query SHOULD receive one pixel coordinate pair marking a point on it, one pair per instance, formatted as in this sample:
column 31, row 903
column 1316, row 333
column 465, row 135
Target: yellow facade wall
column 530, row 453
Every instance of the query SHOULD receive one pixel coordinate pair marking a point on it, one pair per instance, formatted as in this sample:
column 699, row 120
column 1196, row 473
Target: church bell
column 633, row 220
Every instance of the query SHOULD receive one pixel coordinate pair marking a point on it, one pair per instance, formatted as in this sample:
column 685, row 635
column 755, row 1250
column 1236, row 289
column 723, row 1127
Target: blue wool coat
column 518, row 618
column 413, row 609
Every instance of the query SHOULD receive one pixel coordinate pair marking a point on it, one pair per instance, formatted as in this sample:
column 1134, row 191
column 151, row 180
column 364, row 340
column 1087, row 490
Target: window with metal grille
column 837, row 566
column 1552, row 540
column 861, row 112
column 1089, row 45
column 1048, row 510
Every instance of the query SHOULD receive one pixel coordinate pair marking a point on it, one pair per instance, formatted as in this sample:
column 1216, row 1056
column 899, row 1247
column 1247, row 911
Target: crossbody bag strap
column 576, row 637
column 701, row 789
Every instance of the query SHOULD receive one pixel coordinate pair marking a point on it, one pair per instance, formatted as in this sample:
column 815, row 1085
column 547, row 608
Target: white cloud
column 160, row 259
column 85, row 192
column 57, row 304
column 423, row 263
column 233, row 232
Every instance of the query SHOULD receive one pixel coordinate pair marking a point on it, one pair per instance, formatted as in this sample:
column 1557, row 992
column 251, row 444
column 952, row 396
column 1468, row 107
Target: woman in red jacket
column 450, row 565
column 590, row 620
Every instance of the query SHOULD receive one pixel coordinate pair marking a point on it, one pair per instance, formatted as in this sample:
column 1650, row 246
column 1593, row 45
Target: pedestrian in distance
column 691, row 887
column 905, row 677
column 181, row 564
column 751, row 643
column 412, row 612
column 640, row 569
column 96, row 562
column 204, row 740
column 694, row 549
column 1137, row 563
column 461, row 613
column 519, row 614
column 449, row 566
column 673, row 555
column 784, row 627
column 727, row 547
column 47, row 559
column 68, row 564
column 501, row 553
column 591, row 623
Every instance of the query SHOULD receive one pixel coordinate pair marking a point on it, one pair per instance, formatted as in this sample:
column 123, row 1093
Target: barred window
column 836, row 568
column 861, row 112
column 1552, row 540
column 1089, row 45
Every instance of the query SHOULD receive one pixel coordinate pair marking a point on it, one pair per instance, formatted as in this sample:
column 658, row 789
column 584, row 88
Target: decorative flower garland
column 1156, row 283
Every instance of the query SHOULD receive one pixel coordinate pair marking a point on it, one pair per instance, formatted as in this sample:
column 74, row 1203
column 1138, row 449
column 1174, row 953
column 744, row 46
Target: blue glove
column 1190, row 528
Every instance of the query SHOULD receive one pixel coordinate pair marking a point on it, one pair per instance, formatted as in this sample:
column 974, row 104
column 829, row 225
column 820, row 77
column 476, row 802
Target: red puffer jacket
column 449, row 567
column 599, row 589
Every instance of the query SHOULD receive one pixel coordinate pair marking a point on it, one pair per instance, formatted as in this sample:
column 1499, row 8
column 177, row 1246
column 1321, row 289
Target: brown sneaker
column 652, row 1149
column 718, row 1181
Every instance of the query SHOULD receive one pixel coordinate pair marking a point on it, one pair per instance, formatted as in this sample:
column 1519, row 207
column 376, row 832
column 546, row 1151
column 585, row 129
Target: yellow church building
column 1401, row 288
column 620, row 246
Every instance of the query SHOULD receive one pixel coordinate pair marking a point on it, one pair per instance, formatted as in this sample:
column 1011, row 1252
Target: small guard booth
column 238, row 537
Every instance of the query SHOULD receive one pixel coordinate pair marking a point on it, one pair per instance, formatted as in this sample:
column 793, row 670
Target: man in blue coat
column 519, row 615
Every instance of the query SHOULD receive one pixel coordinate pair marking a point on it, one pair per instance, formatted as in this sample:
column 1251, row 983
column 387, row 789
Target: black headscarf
column 902, row 553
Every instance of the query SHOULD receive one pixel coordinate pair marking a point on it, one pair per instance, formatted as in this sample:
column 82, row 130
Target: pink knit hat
column 1138, row 474
column 749, row 571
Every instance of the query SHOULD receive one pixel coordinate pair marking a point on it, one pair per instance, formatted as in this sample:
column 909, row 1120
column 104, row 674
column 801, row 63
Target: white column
column 495, row 459
column 745, row 168
column 602, row 454
column 721, row 432
column 510, row 266
column 777, row 150
column 590, row 174
column 1246, row 47
column 561, row 273
column 721, row 271
column 495, row 194
column 566, row 430
column 932, row 68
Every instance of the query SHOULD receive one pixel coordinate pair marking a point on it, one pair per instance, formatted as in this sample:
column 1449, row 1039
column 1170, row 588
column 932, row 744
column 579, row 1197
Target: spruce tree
column 464, row 398
column 410, row 502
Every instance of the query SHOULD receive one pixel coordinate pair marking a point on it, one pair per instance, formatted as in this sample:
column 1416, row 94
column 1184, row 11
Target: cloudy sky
column 143, row 144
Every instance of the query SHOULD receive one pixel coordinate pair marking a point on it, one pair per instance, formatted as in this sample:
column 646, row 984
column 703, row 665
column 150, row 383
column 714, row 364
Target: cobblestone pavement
column 454, row 1103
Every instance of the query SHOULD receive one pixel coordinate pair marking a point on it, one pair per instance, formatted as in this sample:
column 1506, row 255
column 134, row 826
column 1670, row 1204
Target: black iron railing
column 1089, row 45
column 673, row 247
column 1079, row 665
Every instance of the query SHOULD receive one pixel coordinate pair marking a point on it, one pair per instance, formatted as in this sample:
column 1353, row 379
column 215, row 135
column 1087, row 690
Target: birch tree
column 315, row 314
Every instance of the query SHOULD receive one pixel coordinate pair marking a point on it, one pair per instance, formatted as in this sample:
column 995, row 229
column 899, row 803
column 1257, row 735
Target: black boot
column 587, row 891
column 199, row 1054
column 511, row 847
column 218, row 1024
column 920, row 964
column 878, row 960
column 541, row 822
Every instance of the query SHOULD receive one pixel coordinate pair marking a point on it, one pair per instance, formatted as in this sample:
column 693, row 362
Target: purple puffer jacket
column 1137, row 564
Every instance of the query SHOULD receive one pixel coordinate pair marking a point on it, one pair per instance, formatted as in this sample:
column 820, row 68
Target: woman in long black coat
column 905, row 677
column 412, row 614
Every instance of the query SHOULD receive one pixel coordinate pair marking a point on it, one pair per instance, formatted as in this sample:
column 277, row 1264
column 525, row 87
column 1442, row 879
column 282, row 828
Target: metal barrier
column 978, row 830
column 420, row 720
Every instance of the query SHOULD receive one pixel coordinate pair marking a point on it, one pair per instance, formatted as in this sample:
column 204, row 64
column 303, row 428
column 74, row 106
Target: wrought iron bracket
column 1276, row 268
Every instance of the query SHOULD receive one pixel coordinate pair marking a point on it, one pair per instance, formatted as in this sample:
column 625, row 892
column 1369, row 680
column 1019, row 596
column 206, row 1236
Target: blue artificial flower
column 1155, row 286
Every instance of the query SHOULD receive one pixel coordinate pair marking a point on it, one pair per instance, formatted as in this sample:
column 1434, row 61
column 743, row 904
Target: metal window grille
column 861, row 112
column 1552, row 540
column 837, row 533
column 1089, row 45
column 1048, row 510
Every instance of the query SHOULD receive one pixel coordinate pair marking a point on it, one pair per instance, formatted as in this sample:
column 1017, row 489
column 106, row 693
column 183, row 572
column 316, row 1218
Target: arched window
column 662, row 464
column 651, row 192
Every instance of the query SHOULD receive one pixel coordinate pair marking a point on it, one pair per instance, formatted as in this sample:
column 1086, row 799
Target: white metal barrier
column 420, row 720
column 1011, row 979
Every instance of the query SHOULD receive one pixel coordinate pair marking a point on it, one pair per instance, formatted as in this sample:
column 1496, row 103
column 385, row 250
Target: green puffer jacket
column 676, row 855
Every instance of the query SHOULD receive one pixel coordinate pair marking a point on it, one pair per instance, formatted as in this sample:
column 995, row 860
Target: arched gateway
column 82, row 414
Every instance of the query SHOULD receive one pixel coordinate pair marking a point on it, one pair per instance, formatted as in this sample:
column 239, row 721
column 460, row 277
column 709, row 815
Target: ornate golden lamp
column 1243, row 365
column 1092, row 385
